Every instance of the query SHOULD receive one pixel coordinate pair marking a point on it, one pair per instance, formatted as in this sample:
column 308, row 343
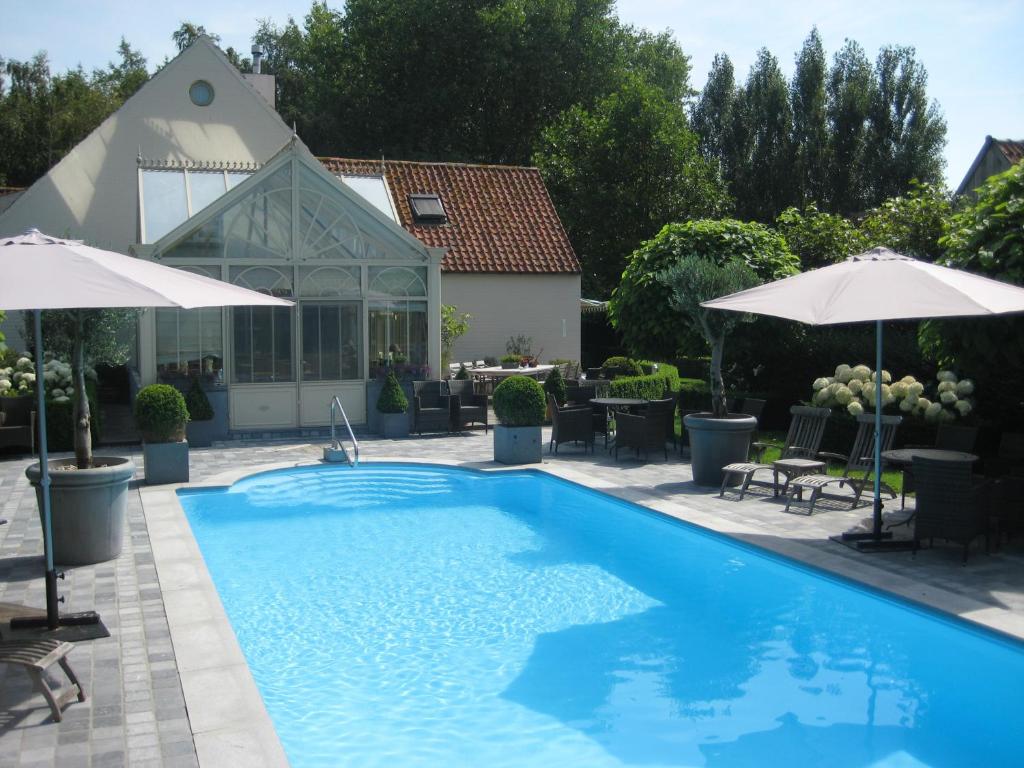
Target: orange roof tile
column 500, row 218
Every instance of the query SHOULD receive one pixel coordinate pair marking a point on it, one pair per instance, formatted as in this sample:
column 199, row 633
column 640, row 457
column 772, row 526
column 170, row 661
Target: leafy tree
column 120, row 81
column 188, row 33
column 819, row 238
column 810, row 122
column 712, row 114
column 850, row 84
column 618, row 172
column 987, row 238
column 912, row 224
column 694, row 279
column 906, row 133
column 639, row 307
column 762, row 182
column 453, row 325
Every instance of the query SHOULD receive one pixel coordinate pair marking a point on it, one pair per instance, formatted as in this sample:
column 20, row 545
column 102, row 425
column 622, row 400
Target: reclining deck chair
column 37, row 656
column 799, row 453
column 861, row 460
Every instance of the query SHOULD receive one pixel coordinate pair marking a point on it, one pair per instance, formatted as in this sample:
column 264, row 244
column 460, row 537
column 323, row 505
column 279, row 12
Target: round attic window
column 201, row 93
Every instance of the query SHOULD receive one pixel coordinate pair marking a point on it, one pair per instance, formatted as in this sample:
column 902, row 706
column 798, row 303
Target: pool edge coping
column 232, row 723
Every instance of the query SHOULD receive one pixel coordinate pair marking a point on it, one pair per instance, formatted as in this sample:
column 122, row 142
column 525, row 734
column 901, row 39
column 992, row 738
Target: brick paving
column 136, row 712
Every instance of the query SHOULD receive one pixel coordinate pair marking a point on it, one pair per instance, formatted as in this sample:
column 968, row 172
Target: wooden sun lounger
column 37, row 656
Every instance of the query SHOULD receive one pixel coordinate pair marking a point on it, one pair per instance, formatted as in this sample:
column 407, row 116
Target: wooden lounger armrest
column 828, row 455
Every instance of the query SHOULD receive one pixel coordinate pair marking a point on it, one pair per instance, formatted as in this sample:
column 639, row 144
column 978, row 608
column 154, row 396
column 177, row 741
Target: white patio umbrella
column 44, row 272
column 877, row 285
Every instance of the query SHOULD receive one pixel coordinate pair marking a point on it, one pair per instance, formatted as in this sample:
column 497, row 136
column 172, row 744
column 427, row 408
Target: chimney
column 257, row 58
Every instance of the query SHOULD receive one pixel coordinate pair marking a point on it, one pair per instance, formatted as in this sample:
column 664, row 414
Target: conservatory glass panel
column 164, row 202
column 256, row 227
column 398, row 281
column 324, row 282
column 262, row 335
column 374, row 191
column 205, row 188
column 326, row 230
column 190, row 342
column 398, row 336
column 331, row 338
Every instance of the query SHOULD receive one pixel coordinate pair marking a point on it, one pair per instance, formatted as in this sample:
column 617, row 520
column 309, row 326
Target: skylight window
column 427, row 209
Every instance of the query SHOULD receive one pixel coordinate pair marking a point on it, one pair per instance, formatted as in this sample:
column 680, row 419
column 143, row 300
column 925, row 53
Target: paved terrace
column 154, row 694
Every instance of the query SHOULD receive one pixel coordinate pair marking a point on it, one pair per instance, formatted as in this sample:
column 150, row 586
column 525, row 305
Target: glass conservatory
column 367, row 292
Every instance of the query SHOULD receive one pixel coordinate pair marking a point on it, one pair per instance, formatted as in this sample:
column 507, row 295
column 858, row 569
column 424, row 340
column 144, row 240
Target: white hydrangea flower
column 855, row 386
column 963, row 407
column 946, row 386
column 932, row 411
column 947, row 397
column 843, row 373
column 5, row 384
column 946, row 376
column 965, row 387
column 946, row 416
column 843, row 395
column 24, row 364
column 916, row 389
column 820, row 383
column 29, row 378
column 821, row 396
column 907, row 405
column 64, row 399
column 56, row 393
column 855, row 408
column 898, row 390
column 908, row 380
column 49, row 376
column 862, row 372
column 923, row 403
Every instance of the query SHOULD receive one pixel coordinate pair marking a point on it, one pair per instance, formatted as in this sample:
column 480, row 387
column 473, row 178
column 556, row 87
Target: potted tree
column 200, row 430
column 393, row 407
column 717, row 437
column 161, row 416
column 88, row 494
column 519, row 404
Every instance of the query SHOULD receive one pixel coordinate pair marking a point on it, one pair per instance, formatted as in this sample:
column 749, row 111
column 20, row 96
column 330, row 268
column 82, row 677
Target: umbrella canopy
column 876, row 285
column 879, row 284
column 50, row 273
column 44, row 272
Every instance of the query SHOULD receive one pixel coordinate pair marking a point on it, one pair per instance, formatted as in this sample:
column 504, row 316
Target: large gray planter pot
column 393, row 425
column 87, row 508
column 166, row 462
column 517, row 445
column 202, row 434
column 716, row 442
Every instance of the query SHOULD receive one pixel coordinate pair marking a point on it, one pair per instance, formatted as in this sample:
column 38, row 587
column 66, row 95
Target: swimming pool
column 403, row 615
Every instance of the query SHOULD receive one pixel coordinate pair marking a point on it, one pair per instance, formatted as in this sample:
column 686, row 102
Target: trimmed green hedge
column 652, row 387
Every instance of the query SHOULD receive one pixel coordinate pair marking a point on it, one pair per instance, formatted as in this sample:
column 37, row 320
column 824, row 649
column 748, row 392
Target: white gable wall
column 545, row 307
column 92, row 194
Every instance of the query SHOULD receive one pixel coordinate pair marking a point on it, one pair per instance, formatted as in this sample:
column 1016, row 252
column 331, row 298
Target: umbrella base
column 874, row 542
column 71, row 627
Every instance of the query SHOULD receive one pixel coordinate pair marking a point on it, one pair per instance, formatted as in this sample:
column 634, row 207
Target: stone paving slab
column 138, row 685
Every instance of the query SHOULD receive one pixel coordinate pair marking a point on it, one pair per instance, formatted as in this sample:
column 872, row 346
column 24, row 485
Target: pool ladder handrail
column 335, row 443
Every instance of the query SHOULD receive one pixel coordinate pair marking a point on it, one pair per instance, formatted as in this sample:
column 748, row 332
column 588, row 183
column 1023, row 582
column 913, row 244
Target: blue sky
column 972, row 50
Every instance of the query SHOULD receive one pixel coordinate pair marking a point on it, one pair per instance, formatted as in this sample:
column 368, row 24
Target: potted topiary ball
column 519, row 404
column 199, row 429
column 161, row 416
column 393, row 407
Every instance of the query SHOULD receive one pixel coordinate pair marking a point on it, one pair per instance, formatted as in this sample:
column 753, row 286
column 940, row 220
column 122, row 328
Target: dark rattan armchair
column 645, row 432
column 570, row 424
column 467, row 406
column 951, row 503
column 18, row 422
column 432, row 410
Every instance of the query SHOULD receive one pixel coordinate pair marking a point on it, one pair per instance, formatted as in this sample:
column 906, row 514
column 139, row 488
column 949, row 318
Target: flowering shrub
column 853, row 389
column 19, row 380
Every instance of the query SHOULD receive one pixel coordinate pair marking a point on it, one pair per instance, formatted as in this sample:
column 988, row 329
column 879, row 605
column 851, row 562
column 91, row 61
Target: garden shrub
column 519, row 402
column 649, row 387
column 694, row 394
column 392, row 399
column 554, row 385
column 511, row 359
column 462, row 374
column 160, row 413
column 620, row 366
column 198, row 404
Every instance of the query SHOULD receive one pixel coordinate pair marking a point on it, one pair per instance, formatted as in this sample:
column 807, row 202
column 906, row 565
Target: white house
column 198, row 171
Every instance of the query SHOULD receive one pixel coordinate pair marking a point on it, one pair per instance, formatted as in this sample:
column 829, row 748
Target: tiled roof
column 1013, row 151
column 500, row 218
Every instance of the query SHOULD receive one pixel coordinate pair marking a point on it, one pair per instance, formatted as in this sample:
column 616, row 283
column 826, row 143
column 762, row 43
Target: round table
column 904, row 457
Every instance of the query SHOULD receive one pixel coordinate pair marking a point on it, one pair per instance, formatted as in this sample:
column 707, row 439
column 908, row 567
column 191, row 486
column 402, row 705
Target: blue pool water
column 398, row 615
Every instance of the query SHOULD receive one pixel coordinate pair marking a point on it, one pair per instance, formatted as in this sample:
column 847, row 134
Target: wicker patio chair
column 467, row 406
column 948, row 437
column 570, row 424
column 670, row 418
column 18, row 422
column 799, row 452
column 37, row 656
column 951, row 503
column 431, row 407
column 644, row 432
column 859, row 464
